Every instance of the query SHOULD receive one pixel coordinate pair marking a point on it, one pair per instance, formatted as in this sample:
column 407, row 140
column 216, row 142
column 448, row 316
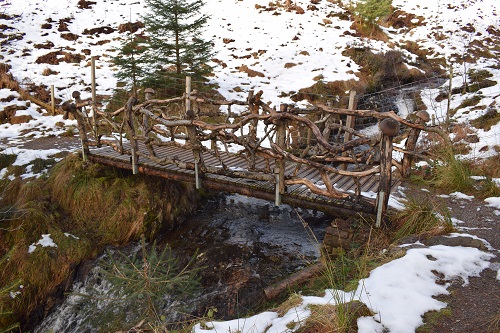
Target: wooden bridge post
column 94, row 96
column 411, row 142
column 389, row 128
column 279, row 168
column 148, row 95
column 52, row 100
column 349, row 124
column 191, row 133
column 129, row 115
column 69, row 107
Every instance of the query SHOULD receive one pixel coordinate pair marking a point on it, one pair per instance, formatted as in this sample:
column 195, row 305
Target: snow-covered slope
column 264, row 37
column 263, row 45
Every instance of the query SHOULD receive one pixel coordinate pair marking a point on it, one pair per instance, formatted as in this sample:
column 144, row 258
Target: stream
column 243, row 244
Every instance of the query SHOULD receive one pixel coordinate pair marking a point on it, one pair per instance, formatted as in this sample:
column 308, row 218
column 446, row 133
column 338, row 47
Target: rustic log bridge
column 256, row 153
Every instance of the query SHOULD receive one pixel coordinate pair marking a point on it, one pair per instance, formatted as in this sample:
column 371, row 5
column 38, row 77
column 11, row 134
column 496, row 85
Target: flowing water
column 244, row 245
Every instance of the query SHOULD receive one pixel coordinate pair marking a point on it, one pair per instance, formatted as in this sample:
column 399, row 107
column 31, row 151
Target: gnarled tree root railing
column 286, row 155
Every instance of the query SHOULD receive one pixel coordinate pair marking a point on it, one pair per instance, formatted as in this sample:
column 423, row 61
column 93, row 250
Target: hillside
column 439, row 56
column 309, row 51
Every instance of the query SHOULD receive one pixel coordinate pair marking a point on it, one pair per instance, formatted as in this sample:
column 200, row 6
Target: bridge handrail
column 279, row 129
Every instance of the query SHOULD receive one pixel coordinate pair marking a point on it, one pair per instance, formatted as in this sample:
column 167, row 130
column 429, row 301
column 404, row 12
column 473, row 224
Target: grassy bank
column 83, row 207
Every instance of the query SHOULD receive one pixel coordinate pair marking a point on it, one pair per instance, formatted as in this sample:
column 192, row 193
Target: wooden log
column 316, row 190
column 317, row 133
column 349, row 123
column 192, row 136
column 280, row 163
column 228, row 172
column 130, row 128
column 390, row 114
column 324, row 167
column 218, row 185
column 294, row 280
column 389, row 128
column 146, row 128
column 411, row 143
column 82, row 131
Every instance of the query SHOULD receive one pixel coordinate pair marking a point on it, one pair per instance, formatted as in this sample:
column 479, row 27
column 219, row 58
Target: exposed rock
column 47, row 45
column 250, row 72
column 98, row 31
column 473, row 138
column 456, row 241
column 49, row 58
column 47, row 71
column 69, row 36
column 83, row 4
column 130, row 27
column 341, row 234
column 20, row 119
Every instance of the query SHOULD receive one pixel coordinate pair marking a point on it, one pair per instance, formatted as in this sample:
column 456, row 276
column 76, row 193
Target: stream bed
column 242, row 244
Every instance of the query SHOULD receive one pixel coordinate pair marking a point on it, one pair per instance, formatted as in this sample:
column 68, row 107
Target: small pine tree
column 131, row 60
column 146, row 278
column 374, row 11
column 174, row 30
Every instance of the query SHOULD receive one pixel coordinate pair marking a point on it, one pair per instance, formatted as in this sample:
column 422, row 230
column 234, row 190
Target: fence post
column 52, row 100
column 349, row 124
column 279, row 168
column 411, row 142
column 191, row 133
column 94, row 96
column 389, row 128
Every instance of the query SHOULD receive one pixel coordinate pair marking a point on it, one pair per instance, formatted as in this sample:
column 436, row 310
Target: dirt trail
column 475, row 306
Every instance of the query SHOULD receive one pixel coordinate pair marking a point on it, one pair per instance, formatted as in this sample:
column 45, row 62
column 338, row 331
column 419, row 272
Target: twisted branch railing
column 290, row 135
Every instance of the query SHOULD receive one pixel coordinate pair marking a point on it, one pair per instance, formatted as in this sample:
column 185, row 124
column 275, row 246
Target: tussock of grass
column 494, row 324
column 329, row 318
column 421, row 216
column 323, row 318
column 433, row 317
column 293, row 301
column 453, row 174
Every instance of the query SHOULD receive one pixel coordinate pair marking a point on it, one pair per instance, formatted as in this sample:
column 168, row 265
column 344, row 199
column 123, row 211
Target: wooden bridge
column 312, row 158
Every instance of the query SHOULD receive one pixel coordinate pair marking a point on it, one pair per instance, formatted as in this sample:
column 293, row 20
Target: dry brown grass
column 494, row 324
column 293, row 301
column 421, row 216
